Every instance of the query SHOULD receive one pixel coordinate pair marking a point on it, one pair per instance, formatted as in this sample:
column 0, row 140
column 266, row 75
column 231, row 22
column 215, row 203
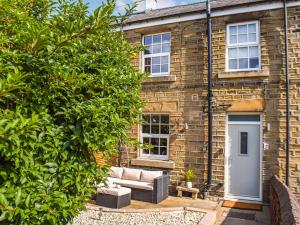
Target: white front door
column 243, row 158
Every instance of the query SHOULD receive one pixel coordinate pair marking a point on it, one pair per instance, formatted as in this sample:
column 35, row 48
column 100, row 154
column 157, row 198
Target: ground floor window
column 155, row 130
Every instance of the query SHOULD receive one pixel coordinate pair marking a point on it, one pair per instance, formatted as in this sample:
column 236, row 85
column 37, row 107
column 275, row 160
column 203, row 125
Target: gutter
column 209, row 99
column 287, row 94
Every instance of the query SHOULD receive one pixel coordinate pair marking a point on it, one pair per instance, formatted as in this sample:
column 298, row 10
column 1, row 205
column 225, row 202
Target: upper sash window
column 243, row 46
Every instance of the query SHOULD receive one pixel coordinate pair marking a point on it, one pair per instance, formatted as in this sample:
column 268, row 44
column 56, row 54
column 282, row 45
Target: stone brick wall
column 183, row 96
column 285, row 209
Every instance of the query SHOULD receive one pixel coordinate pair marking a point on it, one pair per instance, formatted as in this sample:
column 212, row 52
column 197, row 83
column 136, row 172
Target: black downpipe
column 209, row 96
column 287, row 94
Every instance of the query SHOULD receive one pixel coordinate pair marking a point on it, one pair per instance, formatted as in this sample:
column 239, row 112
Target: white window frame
column 157, row 55
column 247, row 44
column 166, row 136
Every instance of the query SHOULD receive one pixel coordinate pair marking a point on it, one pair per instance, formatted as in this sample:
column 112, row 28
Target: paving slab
column 175, row 202
column 229, row 216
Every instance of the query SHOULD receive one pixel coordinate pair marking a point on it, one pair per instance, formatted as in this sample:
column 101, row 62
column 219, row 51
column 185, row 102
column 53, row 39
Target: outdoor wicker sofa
column 145, row 185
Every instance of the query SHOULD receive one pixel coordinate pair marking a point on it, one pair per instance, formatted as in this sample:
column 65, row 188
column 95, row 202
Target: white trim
column 196, row 16
column 226, row 177
column 247, row 44
column 142, row 135
column 168, row 54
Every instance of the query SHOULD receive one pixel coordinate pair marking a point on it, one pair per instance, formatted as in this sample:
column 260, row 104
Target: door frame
column 226, row 175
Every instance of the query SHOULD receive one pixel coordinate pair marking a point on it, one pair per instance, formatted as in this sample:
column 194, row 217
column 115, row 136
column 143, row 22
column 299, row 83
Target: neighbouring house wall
column 284, row 207
column 183, row 95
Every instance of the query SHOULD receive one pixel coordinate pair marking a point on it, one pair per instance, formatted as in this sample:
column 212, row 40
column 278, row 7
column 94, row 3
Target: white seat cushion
column 116, row 172
column 149, row 176
column 113, row 179
column 131, row 174
column 135, row 184
column 114, row 191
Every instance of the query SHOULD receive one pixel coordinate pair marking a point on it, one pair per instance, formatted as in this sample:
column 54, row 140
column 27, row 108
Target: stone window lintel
column 153, row 163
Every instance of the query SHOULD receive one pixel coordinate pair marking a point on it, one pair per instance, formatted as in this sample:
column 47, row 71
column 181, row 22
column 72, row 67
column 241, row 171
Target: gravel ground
column 96, row 217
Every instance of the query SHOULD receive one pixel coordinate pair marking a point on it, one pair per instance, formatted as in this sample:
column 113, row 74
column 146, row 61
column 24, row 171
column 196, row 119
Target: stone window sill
column 244, row 74
column 153, row 163
column 160, row 79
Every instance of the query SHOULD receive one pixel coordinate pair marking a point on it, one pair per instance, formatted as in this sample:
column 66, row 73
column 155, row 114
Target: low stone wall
column 285, row 209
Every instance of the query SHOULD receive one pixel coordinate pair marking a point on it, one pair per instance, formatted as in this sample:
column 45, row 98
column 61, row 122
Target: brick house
column 249, row 122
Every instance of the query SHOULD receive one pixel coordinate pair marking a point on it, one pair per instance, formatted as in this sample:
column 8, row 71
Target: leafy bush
column 67, row 90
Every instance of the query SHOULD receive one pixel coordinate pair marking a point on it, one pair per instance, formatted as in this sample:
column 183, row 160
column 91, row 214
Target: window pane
column 146, row 140
column 147, row 61
column 254, row 63
column 232, row 53
column 242, row 29
column 244, row 143
column 146, row 129
column 253, row 52
column 146, row 151
column 148, row 40
column 154, row 151
column 244, row 118
column 163, row 142
column 154, row 129
column 157, row 38
column 166, row 37
column 232, row 30
column 252, row 38
column 163, row 150
column 155, row 119
column 146, row 119
column 233, row 39
column 164, row 60
column 148, row 50
column 166, row 48
column 155, row 69
column 155, row 141
column 155, row 60
column 243, row 38
column 243, row 63
column 156, row 48
column 148, row 69
column 233, row 64
column 164, row 119
column 243, row 52
column 164, row 129
column 252, row 28
column 165, row 68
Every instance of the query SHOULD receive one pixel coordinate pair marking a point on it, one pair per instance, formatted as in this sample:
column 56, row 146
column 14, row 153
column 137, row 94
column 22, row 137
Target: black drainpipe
column 287, row 88
column 209, row 98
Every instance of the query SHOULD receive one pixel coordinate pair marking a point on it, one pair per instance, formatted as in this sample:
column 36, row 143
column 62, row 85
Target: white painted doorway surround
column 243, row 157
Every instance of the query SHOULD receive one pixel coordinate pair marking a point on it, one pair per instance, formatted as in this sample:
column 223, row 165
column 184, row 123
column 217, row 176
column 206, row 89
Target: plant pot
column 189, row 184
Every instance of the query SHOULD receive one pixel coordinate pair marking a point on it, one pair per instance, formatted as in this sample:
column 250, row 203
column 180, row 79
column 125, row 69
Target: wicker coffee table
column 113, row 197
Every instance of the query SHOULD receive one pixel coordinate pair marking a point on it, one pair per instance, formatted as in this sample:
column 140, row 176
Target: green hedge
column 67, row 89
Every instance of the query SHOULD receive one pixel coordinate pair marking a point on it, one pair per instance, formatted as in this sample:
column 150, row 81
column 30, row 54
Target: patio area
column 172, row 211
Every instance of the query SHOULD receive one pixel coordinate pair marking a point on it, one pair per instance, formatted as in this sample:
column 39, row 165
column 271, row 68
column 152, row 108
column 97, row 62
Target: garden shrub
column 67, row 90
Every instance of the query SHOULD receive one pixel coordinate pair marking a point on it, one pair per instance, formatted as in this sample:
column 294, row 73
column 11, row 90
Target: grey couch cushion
column 116, row 172
column 149, row 176
column 131, row 174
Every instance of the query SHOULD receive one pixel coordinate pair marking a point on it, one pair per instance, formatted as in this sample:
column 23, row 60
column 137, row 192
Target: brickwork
column 285, row 209
column 185, row 97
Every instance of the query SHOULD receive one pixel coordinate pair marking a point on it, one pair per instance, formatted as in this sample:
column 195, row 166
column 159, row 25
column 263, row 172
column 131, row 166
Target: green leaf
column 3, row 200
column 18, row 197
column 27, row 200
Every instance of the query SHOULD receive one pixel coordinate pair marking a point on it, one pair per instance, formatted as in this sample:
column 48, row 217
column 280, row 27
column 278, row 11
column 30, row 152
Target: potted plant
column 189, row 175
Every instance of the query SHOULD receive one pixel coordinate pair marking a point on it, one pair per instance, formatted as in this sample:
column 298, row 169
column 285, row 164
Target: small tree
column 67, row 90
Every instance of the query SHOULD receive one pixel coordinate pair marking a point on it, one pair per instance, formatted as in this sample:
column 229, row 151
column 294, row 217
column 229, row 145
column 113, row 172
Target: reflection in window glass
column 243, row 46
column 156, row 57
column 155, row 132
